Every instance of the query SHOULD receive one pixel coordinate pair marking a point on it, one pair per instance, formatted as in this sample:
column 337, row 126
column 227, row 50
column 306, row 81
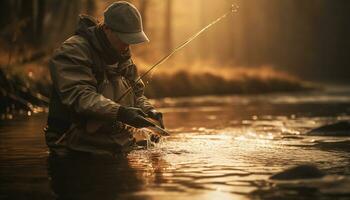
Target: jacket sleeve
column 72, row 77
column 138, row 88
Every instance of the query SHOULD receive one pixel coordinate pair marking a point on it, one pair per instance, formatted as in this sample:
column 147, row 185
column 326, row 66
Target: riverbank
column 25, row 88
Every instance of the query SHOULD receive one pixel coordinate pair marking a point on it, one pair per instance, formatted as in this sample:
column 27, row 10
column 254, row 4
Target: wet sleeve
column 141, row 100
column 138, row 89
column 72, row 77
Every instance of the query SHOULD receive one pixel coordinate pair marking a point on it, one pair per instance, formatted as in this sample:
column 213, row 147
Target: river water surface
column 220, row 148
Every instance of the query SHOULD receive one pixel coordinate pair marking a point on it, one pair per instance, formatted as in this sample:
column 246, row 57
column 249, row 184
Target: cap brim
column 133, row 38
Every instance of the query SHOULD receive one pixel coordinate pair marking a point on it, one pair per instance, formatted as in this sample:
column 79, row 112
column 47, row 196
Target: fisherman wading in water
column 90, row 72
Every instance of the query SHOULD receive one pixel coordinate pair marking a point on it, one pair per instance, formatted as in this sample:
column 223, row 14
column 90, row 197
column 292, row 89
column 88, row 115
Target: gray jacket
column 85, row 87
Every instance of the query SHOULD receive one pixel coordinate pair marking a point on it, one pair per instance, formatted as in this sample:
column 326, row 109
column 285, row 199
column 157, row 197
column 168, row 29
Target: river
column 220, row 148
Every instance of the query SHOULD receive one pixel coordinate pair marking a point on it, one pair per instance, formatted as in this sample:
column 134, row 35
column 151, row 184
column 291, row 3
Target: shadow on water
column 84, row 176
column 91, row 177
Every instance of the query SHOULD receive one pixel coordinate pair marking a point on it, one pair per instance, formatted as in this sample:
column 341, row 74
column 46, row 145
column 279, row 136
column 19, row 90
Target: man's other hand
column 157, row 116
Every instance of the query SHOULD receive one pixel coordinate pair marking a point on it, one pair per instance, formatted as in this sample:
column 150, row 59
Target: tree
column 168, row 26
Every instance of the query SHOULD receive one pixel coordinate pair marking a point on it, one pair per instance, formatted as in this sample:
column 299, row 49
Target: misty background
column 309, row 39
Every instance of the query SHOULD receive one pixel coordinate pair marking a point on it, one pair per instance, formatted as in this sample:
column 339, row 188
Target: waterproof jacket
column 85, row 87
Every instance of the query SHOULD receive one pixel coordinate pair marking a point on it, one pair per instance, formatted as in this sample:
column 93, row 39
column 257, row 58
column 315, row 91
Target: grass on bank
column 199, row 79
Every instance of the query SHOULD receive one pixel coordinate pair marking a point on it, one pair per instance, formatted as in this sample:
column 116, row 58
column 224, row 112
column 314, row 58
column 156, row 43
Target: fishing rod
column 234, row 9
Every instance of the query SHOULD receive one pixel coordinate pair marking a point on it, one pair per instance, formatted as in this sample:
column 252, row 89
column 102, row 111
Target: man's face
column 115, row 41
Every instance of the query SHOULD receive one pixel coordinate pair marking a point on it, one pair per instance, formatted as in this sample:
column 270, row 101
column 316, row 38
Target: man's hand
column 133, row 116
column 157, row 116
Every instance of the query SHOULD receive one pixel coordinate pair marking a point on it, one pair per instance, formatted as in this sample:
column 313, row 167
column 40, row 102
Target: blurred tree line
column 39, row 23
column 29, row 31
column 308, row 38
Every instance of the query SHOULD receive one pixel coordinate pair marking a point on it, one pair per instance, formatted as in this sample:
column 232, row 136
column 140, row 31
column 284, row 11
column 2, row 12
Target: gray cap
column 125, row 20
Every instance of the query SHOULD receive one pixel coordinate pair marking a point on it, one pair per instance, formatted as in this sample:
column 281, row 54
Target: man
column 90, row 72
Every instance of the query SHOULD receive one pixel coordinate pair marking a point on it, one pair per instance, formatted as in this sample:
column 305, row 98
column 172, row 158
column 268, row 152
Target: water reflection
column 82, row 176
column 91, row 177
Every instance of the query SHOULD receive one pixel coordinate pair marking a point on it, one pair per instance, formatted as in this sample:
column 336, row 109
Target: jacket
column 85, row 87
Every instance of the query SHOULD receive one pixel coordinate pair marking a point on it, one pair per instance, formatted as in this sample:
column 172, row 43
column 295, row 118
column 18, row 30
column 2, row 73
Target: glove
column 157, row 116
column 155, row 138
column 133, row 117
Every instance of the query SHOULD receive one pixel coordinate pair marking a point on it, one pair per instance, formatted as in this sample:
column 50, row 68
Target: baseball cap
column 125, row 20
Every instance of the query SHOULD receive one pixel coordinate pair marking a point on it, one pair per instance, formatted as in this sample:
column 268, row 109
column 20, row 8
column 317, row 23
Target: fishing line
column 234, row 9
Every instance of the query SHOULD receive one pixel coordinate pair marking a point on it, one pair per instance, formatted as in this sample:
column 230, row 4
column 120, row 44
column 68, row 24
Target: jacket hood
column 86, row 28
column 84, row 23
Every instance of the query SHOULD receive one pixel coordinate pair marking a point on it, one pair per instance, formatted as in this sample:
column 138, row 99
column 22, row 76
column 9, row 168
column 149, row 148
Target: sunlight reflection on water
column 230, row 160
